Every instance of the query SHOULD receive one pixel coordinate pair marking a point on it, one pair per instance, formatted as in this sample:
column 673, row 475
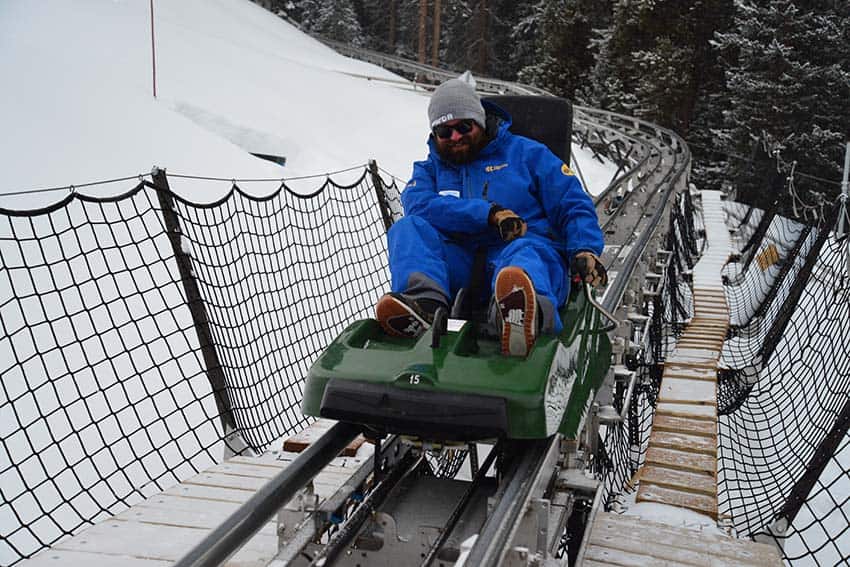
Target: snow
column 231, row 77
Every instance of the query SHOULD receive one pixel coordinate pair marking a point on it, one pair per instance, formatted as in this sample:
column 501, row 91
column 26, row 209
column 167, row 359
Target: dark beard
column 467, row 156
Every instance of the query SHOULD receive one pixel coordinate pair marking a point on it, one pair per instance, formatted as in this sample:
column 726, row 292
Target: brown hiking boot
column 517, row 308
column 400, row 316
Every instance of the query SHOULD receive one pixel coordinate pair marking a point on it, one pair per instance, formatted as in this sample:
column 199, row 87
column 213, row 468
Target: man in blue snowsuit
column 484, row 187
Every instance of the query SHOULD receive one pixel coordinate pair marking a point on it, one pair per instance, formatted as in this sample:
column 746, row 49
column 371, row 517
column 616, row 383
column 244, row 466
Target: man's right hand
column 509, row 224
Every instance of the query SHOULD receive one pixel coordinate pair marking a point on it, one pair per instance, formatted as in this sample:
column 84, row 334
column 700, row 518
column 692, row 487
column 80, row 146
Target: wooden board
column 304, row 438
column 689, row 361
column 681, row 460
column 705, row 357
column 168, row 543
column 246, row 469
column 71, row 558
column 202, row 492
column 674, row 370
column 684, row 390
column 684, row 442
column 269, row 460
column 184, row 512
column 600, row 555
column 715, row 548
column 687, row 410
column 706, row 335
column 249, row 483
column 681, row 499
column 709, row 291
column 706, row 428
column 688, row 481
column 702, row 339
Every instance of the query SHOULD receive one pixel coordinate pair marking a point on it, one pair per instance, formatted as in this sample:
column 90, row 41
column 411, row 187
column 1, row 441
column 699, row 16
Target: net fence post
column 814, row 469
column 233, row 442
column 381, row 194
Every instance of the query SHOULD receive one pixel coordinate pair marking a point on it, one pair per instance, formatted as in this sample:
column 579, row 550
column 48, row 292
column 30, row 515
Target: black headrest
column 549, row 120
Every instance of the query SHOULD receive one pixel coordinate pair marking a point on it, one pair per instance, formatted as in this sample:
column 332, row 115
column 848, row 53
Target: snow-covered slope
column 232, row 78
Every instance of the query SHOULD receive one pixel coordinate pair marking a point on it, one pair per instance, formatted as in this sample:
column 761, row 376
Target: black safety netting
column 784, row 401
column 145, row 337
column 784, row 395
column 667, row 309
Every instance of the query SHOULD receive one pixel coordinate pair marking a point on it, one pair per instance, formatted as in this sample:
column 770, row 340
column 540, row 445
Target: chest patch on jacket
column 565, row 169
column 492, row 168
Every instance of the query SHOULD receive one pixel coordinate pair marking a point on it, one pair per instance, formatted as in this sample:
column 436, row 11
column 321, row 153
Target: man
column 484, row 187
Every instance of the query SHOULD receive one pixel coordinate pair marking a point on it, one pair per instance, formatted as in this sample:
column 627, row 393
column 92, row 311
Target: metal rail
column 461, row 506
column 495, row 536
column 247, row 520
column 369, row 506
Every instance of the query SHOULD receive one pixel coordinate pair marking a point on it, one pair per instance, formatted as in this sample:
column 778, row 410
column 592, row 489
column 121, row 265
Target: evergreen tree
column 467, row 37
column 334, row 20
column 788, row 76
column 564, row 50
column 522, row 40
column 703, row 133
column 376, row 17
column 655, row 59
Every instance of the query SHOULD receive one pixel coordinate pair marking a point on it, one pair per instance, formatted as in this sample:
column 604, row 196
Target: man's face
column 459, row 141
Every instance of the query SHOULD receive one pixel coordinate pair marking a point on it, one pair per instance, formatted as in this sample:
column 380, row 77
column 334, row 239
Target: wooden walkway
column 681, row 460
column 160, row 530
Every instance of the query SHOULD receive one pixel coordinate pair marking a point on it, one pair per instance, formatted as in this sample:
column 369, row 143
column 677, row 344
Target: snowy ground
column 232, row 79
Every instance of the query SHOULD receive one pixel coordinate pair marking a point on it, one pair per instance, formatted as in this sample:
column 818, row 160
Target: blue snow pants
column 426, row 263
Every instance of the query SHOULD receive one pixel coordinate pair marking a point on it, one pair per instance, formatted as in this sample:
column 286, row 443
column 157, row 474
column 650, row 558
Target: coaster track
column 653, row 164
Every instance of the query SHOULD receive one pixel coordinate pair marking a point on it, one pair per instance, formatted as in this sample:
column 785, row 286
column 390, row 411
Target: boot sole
column 398, row 319
column 514, row 291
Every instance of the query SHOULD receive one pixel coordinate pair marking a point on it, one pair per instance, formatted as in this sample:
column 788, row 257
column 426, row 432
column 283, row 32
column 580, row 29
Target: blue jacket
column 517, row 173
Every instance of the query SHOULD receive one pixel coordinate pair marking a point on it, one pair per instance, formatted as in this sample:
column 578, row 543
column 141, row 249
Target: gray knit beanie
column 455, row 100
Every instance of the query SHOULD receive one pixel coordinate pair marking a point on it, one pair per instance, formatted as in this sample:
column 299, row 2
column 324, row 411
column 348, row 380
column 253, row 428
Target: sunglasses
column 444, row 131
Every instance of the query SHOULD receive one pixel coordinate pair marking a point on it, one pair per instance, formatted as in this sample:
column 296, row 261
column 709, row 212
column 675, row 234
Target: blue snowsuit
column 431, row 249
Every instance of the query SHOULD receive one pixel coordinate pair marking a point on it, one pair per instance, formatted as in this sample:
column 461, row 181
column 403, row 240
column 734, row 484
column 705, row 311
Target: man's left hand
column 509, row 224
column 589, row 268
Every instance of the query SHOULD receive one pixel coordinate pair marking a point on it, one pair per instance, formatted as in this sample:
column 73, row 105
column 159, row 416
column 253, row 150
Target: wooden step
column 687, row 410
column 681, row 460
column 661, row 495
column 684, row 390
column 677, row 371
column 613, row 537
column 700, row 342
column 703, row 427
column 684, row 442
column 692, row 362
column 701, row 482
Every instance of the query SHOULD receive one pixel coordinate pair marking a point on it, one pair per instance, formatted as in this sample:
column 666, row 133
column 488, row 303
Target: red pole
column 153, row 52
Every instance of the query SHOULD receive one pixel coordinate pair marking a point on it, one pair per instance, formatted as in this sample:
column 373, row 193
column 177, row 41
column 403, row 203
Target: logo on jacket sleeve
column 565, row 169
column 492, row 168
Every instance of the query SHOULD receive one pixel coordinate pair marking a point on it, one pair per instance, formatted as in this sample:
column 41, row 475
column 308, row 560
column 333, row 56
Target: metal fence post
column 233, row 442
column 381, row 194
